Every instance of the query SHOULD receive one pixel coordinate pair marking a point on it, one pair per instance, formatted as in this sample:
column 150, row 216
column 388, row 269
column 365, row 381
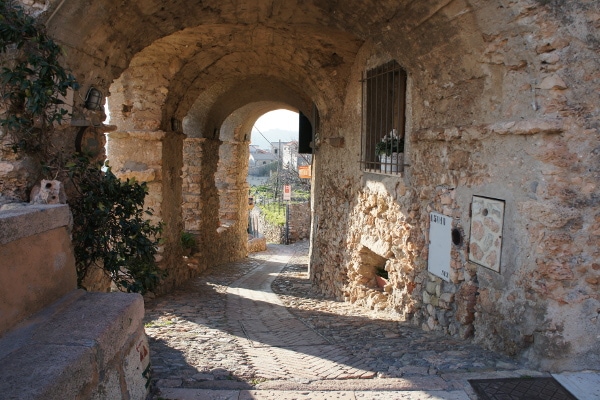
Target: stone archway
column 209, row 197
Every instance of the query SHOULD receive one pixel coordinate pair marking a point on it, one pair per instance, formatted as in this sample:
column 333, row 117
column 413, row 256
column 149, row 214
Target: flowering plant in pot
column 389, row 150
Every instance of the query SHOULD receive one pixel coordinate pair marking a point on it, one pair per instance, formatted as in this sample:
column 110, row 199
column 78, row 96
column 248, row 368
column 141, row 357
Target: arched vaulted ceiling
column 229, row 66
column 115, row 31
column 223, row 67
column 208, row 57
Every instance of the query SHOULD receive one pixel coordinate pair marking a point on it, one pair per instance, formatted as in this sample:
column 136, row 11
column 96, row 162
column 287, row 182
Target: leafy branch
column 111, row 229
column 33, row 83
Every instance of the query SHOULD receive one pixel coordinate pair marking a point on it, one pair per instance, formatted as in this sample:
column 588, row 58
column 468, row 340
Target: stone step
column 434, row 383
column 84, row 346
column 205, row 394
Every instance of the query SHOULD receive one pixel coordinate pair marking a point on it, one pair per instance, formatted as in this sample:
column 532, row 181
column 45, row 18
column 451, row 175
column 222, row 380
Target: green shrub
column 111, row 228
column 188, row 240
column 274, row 213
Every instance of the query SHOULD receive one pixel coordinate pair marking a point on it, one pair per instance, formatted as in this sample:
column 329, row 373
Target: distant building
column 260, row 158
column 290, row 158
column 254, row 148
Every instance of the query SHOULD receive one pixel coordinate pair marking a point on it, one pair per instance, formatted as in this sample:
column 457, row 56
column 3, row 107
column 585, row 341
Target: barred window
column 384, row 99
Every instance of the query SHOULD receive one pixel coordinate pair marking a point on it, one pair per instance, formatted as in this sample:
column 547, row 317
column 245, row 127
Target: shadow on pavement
column 194, row 338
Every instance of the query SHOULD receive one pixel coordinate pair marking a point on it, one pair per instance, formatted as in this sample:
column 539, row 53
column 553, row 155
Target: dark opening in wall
column 371, row 265
column 457, row 237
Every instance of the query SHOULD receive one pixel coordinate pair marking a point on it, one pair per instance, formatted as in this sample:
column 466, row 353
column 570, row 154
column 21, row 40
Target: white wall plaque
column 487, row 219
column 440, row 241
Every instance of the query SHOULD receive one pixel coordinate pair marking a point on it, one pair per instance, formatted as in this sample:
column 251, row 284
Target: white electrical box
column 440, row 243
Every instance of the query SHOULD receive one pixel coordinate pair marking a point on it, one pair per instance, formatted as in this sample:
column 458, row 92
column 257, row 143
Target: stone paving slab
column 583, row 385
column 292, row 333
column 430, row 383
column 199, row 394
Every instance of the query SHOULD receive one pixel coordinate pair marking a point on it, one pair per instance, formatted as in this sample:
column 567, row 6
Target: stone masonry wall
column 299, row 225
column 200, row 196
column 233, row 200
column 511, row 119
column 155, row 157
column 299, row 220
column 214, row 212
column 192, row 183
column 272, row 233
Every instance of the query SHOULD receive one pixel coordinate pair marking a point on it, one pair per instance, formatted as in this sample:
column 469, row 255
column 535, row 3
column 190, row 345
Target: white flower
column 392, row 135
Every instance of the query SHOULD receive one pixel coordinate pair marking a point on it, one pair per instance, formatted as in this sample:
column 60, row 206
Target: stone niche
column 366, row 290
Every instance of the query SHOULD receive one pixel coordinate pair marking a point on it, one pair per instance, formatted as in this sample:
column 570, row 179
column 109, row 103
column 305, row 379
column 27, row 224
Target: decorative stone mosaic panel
column 486, row 232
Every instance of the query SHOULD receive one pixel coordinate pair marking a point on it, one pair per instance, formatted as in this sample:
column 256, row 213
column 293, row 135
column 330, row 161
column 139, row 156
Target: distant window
column 383, row 131
column 264, row 162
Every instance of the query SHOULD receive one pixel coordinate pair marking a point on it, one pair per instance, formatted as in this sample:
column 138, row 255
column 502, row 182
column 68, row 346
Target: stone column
column 155, row 157
column 233, row 198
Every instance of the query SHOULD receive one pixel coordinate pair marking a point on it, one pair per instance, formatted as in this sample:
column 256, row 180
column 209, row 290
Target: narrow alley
column 256, row 330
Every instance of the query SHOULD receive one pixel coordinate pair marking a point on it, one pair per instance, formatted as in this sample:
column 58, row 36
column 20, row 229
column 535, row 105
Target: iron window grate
column 383, row 123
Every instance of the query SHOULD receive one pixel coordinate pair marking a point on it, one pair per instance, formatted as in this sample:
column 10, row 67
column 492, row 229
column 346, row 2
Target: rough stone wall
column 299, row 221
column 193, row 157
column 299, row 225
column 140, row 149
column 233, row 200
column 214, row 199
column 200, row 196
column 513, row 119
column 155, row 157
column 257, row 244
column 272, row 233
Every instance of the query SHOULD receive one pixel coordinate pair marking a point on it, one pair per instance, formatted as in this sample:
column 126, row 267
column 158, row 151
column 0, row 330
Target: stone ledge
column 258, row 244
column 70, row 349
column 31, row 220
column 152, row 135
column 480, row 132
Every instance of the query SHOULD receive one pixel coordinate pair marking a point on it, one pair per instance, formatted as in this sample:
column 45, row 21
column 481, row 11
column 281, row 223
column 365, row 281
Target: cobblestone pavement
column 256, row 329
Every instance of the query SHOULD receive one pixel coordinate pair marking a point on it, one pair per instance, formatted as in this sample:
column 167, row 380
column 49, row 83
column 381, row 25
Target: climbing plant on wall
column 33, row 82
column 111, row 227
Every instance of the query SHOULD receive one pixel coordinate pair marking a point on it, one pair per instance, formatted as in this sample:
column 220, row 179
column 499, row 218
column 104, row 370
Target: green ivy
column 188, row 241
column 33, row 82
column 111, row 228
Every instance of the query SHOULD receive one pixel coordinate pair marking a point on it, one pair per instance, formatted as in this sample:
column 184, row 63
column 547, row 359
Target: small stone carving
column 49, row 192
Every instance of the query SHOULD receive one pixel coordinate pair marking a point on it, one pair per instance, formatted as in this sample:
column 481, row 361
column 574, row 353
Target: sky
column 275, row 125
